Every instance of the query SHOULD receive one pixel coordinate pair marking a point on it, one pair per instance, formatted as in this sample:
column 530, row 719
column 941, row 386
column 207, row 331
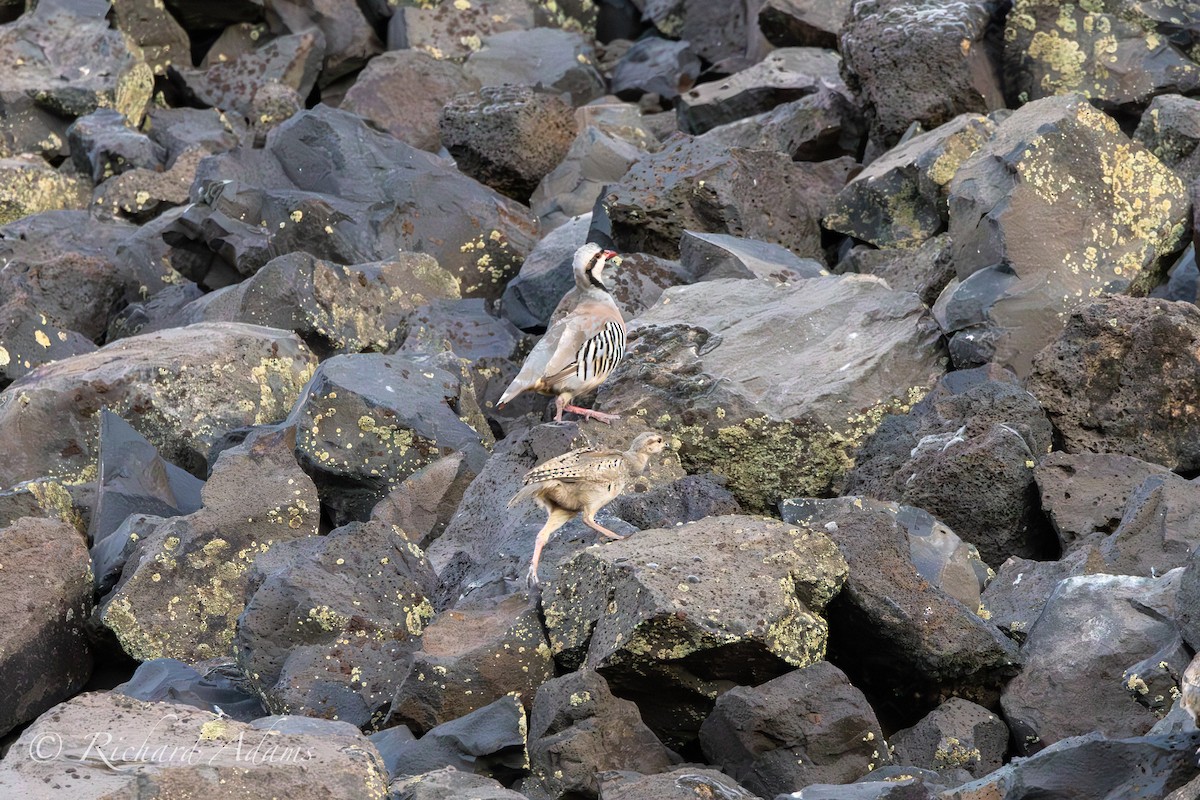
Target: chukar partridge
column 582, row 482
column 1189, row 688
column 584, row 343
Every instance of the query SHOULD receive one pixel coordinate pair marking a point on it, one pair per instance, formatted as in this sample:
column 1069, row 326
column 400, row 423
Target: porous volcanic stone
column 956, row 735
column 668, row 625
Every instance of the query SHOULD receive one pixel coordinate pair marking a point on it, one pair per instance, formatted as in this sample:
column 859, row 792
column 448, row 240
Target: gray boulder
column 556, row 61
column 1169, row 129
column 957, row 735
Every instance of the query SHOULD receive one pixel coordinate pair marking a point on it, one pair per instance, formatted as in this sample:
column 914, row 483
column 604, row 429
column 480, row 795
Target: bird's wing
column 554, row 351
column 584, row 464
column 591, row 346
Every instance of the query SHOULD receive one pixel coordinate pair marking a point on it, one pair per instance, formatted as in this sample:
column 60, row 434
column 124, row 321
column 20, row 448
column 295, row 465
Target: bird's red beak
column 609, row 254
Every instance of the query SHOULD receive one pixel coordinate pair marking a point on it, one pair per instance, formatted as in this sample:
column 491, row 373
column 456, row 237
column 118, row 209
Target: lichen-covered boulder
column 1170, row 129
column 777, row 415
column 182, row 388
column 29, row 185
column 824, row 125
column 185, row 582
column 666, row 618
column 1122, row 377
column 330, row 622
column 1107, row 216
column 46, row 580
column 957, row 735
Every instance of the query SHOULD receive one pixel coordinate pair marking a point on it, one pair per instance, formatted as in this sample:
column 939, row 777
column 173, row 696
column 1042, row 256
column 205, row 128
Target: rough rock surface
column 956, row 735
column 1169, row 130
column 45, row 656
column 669, row 632
column 924, row 271
column 555, row 61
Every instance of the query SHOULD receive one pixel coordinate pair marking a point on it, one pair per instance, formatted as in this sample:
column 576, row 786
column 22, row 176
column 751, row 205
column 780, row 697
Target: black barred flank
column 600, row 354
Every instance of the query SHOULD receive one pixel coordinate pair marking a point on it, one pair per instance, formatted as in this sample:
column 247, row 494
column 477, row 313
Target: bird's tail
column 526, row 492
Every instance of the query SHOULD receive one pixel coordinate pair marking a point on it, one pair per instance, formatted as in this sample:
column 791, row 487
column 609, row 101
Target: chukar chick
column 1189, row 688
column 583, row 482
column 583, row 345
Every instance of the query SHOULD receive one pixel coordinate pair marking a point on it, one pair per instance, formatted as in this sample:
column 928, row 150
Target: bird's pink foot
column 588, row 413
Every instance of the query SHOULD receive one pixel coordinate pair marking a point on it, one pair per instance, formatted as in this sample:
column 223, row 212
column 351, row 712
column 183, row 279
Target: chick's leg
column 557, row 518
column 590, row 520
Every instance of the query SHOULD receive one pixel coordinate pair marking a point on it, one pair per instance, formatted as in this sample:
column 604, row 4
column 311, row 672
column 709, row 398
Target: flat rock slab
column 182, row 388
column 669, row 625
column 779, row 416
column 187, row 752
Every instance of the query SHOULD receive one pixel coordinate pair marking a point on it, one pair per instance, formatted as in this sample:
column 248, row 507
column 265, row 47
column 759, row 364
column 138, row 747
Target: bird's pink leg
column 590, row 414
column 557, row 518
column 590, row 521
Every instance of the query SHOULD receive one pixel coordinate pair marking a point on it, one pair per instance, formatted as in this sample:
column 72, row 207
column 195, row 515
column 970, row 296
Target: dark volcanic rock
column 403, row 92
column 1118, row 378
column 925, row 271
column 470, row 656
column 1142, row 768
column 957, row 735
column 784, row 75
column 1170, row 128
column 803, row 23
column 1120, row 53
column 386, row 197
column 922, row 61
column 778, row 416
column 532, row 295
column 824, row 125
column 1160, row 526
column 181, row 130
column 717, row 32
column 665, row 617
column 424, row 502
column 331, row 622
column 182, row 388
column 899, row 200
column 316, row 758
column 217, row 683
column 898, row 629
column 578, row 730
column 1108, row 213
column 185, row 583
column 713, row 256
column 449, row 783
column 808, row 726
column 350, row 38
column 156, row 31
column 1015, row 597
column 1104, row 655
column 978, row 434
column 1086, row 492
column 684, row 783
column 594, row 160
column 46, row 581
column 700, row 185
column 555, row 61
column 102, row 145
column 507, row 137
column 206, row 15
column 448, row 30
column 365, row 422
column 28, row 185
column 688, row 499
column 655, row 66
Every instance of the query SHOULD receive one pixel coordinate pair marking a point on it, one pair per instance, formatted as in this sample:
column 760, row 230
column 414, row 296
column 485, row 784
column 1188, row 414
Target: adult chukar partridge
column 584, row 343
column 582, row 482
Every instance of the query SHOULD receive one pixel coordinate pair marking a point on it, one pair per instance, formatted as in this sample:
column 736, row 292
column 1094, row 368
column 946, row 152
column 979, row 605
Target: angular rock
column 1113, row 395
column 156, row 313
column 1101, row 640
column 777, row 416
column 141, row 194
column 714, row 256
column 1120, row 53
column 671, row 627
column 925, row 271
column 594, row 160
column 471, row 656
column 1183, row 279
column 956, row 735
column 28, row 338
column 350, row 39
column 424, row 502
column 204, row 15
column 233, row 86
column 1140, row 768
column 403, row 92
column 448, row 30
column 578, row 730
column 921, row 61
column 803, row 23
column 556, row 61
column 532, row 295
column 807, row 726
column 29, row 186
column 185, row 584
column 365, row 422
column 162, row 39
column 886, row 783
column 331, row 622
column 352, row 215
column 335, row 308
column 216, row 684
column 507, row 137
column 212, row 756
column 684, row 783
column 1160, row 526
column 450, row 784
column 180, row 130
column 46, row 580
column 899, row 200
column 824, row 125
column 164, row 384
column 700, row 185
column 1015, row 597
column 717, row 32
column 1169, row 129
column 784, row 75
column 102, row 145
column 688, row 499
column 902, row 633
column 655, row 66
column 1108, row 212
column 490, row 742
